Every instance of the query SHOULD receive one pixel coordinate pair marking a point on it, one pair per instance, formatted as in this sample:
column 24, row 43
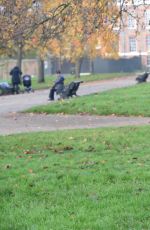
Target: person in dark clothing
column 16, row 78
column 59, row 81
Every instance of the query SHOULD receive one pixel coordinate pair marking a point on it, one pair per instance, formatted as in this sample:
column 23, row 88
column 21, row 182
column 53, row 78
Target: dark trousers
column 16, row 88
column 51, row 93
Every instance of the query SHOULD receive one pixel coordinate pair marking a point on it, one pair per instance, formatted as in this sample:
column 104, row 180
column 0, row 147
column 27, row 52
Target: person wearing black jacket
column 16, row 78
column 59, row 81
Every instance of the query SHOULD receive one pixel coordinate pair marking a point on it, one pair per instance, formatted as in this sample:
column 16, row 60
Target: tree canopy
column 71, row 29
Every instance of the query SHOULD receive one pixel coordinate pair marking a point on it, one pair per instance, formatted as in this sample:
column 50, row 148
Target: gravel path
column 14, row 122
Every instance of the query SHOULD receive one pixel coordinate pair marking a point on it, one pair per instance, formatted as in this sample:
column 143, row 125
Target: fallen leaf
column 68, row 148
column 30, row 171
column 19, row 156
column 84, row 140
column 45, row 167
column 29, row 151
column 8, row 166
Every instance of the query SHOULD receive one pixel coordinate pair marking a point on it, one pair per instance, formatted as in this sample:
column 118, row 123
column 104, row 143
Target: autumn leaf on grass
column 45, row 167
column 8, row 166
column 30, row 171
column 29, row 157
column 68, row 147
column 88, row 164
column 90, row 149
column 61, row 150
column 108, row 145
column 19, row 157
column 43, row 156
column 103, row 161
column 85, row 140
column 29, row 151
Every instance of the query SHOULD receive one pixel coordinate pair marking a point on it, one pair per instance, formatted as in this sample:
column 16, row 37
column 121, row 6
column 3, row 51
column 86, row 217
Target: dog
column 142, row 78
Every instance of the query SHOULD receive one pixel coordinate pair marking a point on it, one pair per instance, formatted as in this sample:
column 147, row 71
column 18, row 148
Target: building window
column 136, row 2
column 148, row 42
column 119, row 2
column 147, row 17
column 147, row 2
column 133, row 2
column 140, row 2
column 132, row 44
column 131, row 22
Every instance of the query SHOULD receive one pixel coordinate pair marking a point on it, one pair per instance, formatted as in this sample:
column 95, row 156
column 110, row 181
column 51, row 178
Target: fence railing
column 29, row 66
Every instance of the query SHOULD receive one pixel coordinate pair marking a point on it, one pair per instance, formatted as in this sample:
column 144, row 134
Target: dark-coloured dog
column 142, row 78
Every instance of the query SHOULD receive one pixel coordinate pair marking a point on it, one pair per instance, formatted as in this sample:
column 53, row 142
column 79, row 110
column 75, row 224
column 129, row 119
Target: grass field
column 128, row 101
column 76, row 180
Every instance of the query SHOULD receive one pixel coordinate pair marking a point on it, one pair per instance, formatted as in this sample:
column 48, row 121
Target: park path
column 14, row 122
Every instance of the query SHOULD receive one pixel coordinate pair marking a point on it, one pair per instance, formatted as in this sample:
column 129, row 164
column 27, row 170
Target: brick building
column 134, row 38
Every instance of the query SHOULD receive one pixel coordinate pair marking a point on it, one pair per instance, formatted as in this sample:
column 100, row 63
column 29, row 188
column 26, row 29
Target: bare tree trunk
column 19, row 56
column 91, row 66
column 59, row 63
column 41, row 77
column 78, row 67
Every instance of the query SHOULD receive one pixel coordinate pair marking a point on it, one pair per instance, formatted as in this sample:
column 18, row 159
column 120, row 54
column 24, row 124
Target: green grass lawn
column 76, row 180
column 128, row 101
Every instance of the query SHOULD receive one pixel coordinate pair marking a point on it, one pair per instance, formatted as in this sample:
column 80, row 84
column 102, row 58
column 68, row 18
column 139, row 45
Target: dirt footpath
column 19, row 123
column 14, row 122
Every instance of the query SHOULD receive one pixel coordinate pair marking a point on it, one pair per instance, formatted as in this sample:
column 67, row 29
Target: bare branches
column 46, row 19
